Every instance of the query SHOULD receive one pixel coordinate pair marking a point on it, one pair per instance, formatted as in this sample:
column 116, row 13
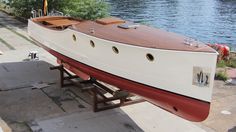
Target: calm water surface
column 211, row 21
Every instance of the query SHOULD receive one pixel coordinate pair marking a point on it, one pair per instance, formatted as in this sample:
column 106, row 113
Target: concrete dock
column 32, row 100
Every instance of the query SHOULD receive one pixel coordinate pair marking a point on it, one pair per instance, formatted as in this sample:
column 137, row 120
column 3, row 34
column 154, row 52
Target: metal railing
column 39, row 13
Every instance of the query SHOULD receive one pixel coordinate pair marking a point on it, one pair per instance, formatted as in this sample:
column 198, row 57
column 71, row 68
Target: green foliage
column 23, row 8
column 231, row 63
column 227, row 63
column 1, row 5
column 84, row 9
column 221, row 76
column 221, row 64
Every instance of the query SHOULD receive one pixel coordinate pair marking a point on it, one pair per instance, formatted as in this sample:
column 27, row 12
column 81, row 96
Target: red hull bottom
column 185, row 107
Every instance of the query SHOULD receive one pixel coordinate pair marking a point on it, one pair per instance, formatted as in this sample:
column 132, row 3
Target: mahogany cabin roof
column 144, row 36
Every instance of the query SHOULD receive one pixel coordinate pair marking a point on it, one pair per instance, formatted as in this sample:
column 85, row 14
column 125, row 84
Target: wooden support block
column 4, row 127
column 97, row 90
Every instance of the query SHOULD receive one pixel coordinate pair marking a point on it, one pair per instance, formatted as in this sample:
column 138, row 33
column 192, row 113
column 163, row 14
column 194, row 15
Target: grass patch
column 227, row 63
column 231, row 63
column 221, row 64
column 221, row 76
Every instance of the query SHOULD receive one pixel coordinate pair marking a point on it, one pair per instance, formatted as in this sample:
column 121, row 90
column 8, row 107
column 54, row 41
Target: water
column 211, row 21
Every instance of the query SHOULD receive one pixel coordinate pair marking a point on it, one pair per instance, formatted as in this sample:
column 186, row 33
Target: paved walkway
column 232, row 73
column 51, row 108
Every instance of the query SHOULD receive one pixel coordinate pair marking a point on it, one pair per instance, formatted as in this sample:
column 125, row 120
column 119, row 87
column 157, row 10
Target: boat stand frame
column 64, row 78
column 97, row 90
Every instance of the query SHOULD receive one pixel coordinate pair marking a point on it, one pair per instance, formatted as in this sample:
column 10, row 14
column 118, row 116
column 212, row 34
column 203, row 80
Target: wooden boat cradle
column 100, row 102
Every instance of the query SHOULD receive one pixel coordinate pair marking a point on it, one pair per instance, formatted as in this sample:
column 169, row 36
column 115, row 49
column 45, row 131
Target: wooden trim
column 110, row 20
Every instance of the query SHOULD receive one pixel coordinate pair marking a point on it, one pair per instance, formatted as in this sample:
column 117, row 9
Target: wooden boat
column 169, row 70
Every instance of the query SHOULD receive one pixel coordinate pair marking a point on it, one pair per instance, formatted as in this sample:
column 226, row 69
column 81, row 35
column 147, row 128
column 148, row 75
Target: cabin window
column 115, row 50
column 150, row 57
column 74, row 37
column 92, row 43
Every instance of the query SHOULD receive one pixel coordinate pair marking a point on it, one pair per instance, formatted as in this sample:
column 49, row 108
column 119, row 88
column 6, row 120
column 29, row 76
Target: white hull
column 171, row 70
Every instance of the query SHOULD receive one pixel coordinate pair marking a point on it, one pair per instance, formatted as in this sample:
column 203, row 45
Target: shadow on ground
column 24, row 105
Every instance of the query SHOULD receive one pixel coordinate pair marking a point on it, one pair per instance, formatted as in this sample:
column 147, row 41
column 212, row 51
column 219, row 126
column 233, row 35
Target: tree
column 23, row 8
column 84, row 9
